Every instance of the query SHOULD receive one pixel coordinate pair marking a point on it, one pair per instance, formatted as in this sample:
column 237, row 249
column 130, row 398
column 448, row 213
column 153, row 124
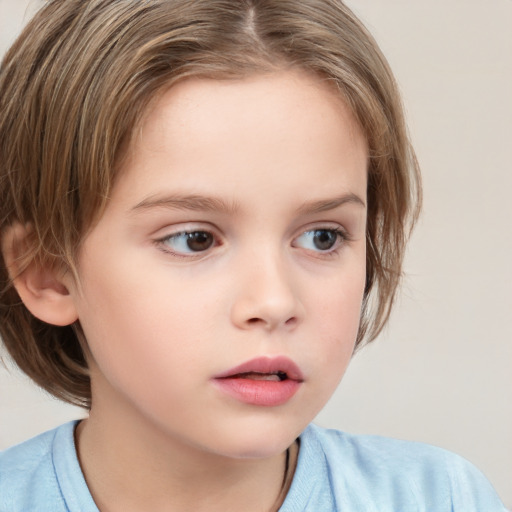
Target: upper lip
column 266, row 365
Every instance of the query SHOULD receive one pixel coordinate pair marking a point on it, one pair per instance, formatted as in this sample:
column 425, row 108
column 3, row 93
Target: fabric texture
column 335, row 472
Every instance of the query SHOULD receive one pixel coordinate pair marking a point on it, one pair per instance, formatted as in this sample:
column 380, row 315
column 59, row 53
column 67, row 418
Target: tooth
column 262, row 376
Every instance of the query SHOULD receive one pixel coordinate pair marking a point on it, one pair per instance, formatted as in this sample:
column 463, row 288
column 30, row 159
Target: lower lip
column 259, row 392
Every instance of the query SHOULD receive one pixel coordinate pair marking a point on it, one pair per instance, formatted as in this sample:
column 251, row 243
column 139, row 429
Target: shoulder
column 27, row 473
column 401, row 475
column 374, row 452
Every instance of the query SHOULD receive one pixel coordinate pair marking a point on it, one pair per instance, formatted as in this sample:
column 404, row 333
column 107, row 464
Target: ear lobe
column 41, row 288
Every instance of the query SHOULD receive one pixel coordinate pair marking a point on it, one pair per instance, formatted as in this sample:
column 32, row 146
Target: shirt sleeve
column 471, row 490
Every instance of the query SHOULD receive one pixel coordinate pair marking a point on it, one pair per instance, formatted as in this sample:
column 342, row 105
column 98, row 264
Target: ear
column 41, row 288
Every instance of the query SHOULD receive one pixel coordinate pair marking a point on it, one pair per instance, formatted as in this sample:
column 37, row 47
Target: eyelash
column 342, row 237
column 162, row 243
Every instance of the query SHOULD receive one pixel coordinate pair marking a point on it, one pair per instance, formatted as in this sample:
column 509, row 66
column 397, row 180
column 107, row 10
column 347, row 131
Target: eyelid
column 327, row 226
column 193, row 227
column 184, row 229
column 342, row 234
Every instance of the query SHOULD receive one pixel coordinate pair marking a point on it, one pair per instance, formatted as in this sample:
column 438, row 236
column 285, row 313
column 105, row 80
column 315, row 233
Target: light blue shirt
column 335, row 472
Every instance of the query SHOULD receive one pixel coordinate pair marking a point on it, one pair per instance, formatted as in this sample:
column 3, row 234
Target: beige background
column 442, row 371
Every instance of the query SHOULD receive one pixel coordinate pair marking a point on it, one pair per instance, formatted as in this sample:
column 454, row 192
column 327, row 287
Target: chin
column 256, row 440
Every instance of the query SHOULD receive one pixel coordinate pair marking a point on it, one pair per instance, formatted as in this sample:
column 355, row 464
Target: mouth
column 265, row 368
column 263, row 381
column 272, row 377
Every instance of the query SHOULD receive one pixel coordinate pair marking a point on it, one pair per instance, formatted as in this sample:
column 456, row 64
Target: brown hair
column 76, row 83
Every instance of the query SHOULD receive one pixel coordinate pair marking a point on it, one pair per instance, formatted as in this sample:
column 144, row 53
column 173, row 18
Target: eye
column 188, row 242
column 322, row 240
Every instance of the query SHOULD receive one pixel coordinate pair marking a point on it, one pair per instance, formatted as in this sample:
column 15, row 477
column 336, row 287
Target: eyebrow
column 187, row 202
column 214, row 204
column 325, row 205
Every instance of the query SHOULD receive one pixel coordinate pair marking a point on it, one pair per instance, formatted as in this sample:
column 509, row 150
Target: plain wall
column 442, row 370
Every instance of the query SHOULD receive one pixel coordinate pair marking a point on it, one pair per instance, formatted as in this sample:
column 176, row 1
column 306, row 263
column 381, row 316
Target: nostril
column 292, row 321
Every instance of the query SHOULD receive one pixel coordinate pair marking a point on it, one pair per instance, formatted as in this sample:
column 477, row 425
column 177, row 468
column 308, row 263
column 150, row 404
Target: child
column 204, row 211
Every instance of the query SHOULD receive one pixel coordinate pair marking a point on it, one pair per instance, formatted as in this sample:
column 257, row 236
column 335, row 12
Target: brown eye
column 188, row 242
column 199, row 241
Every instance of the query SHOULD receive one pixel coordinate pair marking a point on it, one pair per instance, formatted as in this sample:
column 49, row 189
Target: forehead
column 276, row 99
column 288, row 124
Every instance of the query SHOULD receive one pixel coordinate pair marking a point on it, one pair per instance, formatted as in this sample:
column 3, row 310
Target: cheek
column 339, row 301
column 138, row 323
column 336, row 314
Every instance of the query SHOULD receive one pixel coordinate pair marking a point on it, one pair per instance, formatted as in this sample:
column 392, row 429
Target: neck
column 130, row 466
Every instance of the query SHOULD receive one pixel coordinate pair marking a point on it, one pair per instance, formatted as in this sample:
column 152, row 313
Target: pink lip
column 268, row 393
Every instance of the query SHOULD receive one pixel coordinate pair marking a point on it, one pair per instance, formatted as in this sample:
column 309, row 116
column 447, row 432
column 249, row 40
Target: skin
column 282, row 156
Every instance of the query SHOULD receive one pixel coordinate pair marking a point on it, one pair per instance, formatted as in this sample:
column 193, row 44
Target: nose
column 267, row 296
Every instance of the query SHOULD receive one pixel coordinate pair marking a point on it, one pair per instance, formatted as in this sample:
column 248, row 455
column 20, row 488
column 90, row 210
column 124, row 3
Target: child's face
column 236, row 231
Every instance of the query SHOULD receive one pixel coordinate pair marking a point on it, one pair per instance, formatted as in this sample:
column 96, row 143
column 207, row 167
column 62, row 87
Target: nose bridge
column 267, row 295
